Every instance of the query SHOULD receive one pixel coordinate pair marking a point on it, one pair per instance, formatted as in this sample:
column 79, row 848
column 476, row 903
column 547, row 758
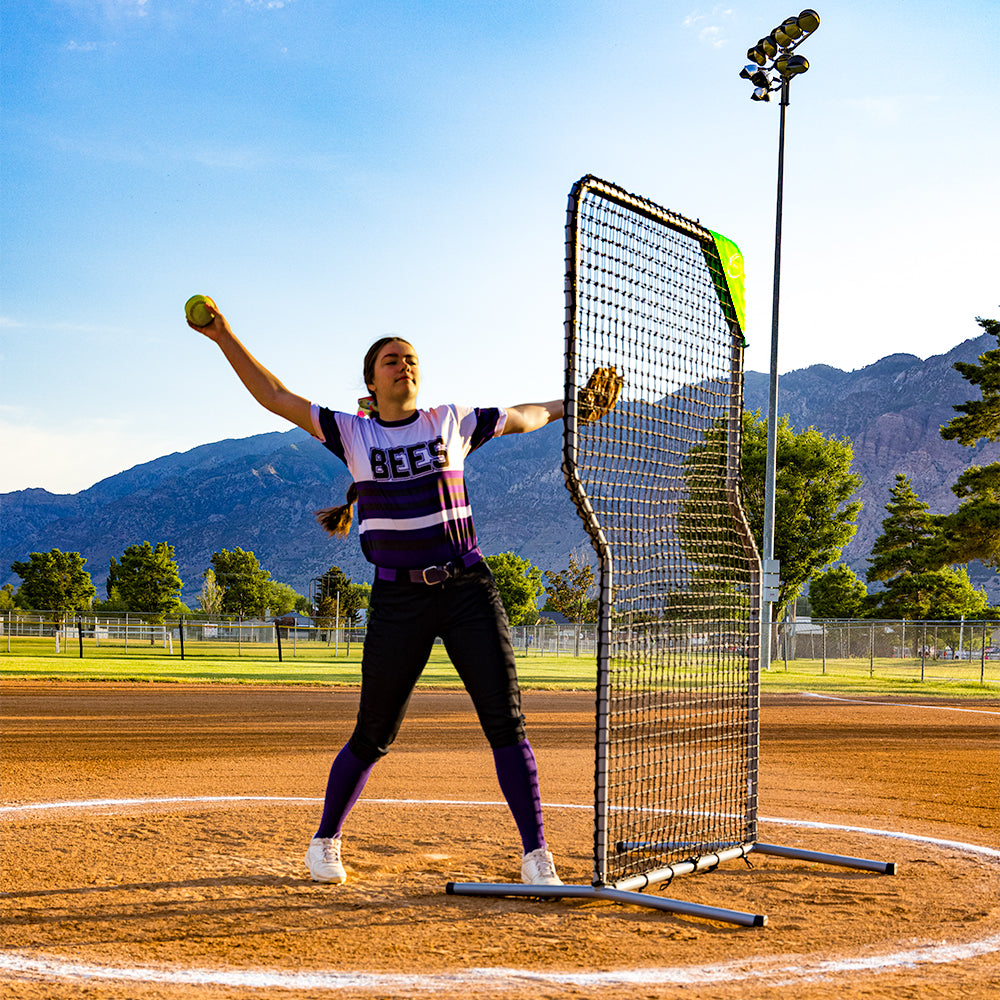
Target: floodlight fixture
column 769, row 45
column 761, row 94
column 757, row 55
column 796, row 65
column 808, row 20
column 791, row 27
column 781, row 37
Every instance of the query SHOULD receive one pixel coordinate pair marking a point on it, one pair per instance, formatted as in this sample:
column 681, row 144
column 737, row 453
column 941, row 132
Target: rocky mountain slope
column 259, row 493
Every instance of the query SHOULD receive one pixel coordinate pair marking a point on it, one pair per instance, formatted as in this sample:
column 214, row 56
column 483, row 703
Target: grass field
column 226, row 663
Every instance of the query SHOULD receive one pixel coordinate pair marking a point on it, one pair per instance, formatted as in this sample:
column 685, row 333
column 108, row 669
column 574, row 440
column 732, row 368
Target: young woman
column 416, row 528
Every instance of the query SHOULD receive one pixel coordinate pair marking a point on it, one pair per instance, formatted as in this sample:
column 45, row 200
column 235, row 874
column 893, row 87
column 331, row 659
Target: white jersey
column 413, row 508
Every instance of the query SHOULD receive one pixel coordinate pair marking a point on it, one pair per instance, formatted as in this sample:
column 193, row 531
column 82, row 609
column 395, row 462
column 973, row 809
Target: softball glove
column 600, row 395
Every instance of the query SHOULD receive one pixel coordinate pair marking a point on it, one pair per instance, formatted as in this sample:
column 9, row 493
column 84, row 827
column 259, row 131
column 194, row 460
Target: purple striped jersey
column 413, row 508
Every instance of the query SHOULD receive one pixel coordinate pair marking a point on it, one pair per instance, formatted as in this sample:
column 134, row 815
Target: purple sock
column 347, row 779
column 518, row 776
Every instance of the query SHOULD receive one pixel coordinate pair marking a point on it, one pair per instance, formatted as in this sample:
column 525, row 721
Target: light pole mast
column 771, row 69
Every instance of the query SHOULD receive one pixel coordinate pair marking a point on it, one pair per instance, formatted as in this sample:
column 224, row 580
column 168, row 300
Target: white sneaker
column 538, row 868
column 323, row 860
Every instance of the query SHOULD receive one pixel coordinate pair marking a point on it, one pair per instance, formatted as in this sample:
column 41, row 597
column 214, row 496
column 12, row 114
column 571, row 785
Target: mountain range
column 260, row 493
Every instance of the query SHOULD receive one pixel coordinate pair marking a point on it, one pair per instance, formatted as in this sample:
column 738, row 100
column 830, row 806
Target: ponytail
column 337, row 520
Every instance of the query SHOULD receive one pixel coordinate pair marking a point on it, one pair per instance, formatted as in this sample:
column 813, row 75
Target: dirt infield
column 110, row 889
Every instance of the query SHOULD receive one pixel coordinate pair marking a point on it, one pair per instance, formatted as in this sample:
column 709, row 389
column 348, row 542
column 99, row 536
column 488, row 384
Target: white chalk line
column 780, row 971
column 898, row 704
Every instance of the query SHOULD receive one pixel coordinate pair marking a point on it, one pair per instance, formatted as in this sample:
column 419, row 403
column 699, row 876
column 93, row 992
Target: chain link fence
column 110, row 635
column 925, row 650
column 941, row 650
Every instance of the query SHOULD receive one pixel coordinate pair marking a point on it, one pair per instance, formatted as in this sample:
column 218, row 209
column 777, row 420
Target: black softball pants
column 404, row 619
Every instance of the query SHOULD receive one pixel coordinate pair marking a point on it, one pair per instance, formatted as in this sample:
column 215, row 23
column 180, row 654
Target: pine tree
column 907, row 534
column 973, row 531
column 903, row 559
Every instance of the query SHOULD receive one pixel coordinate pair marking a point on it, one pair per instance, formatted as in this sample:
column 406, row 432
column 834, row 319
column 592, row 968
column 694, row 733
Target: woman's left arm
column 531, row 416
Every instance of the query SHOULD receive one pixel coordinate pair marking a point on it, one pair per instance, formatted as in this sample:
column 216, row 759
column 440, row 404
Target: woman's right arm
column 264, row 386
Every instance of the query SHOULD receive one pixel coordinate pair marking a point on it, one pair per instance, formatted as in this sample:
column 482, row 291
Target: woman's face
column 396, row 378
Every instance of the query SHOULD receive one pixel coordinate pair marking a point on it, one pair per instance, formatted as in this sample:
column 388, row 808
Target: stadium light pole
column 771, row 68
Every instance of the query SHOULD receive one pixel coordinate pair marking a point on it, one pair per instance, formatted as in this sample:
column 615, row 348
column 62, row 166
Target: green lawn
column 315, row 663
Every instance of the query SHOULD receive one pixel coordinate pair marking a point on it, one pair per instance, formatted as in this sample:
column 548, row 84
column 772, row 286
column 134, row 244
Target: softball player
column 416, row 528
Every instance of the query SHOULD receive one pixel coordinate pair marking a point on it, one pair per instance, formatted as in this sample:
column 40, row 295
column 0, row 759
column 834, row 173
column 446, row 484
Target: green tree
column 7, row 597
column 945, row 593
column 146, row 579
column 915, row 586
column 243, row 582
column 281, row 598
column 112, row 606
column 519, row 584
column 210, row 595
column 54, row 581
column 570, row 593
column 837, row 593
column 336, row 583
column 908, row 533
column 814, row 515
column 973, row 530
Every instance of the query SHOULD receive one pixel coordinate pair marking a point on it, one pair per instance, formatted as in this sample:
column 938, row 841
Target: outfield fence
column 919, row 650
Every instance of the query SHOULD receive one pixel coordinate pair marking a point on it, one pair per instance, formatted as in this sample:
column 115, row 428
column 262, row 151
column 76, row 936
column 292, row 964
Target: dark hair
column 372, row 356
column 337, row 520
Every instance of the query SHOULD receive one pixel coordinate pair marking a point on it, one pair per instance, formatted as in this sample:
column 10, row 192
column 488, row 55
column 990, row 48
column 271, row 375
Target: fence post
column 79, row 629
column 824, row 647
column 982, row 658
column 923, row 651
column 871, row 651
column 277, row 636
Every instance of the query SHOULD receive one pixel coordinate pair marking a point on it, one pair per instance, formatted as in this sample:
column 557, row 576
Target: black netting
column 656, row 482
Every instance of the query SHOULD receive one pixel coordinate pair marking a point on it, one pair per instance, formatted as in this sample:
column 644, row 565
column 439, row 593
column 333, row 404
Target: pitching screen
column 656, row 482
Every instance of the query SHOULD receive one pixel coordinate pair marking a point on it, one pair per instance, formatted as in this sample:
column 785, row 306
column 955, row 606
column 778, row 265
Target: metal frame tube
column 614, row 895
column 819, row 857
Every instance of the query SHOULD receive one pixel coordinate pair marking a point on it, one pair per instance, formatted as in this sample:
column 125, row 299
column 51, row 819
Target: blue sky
column 331, row 172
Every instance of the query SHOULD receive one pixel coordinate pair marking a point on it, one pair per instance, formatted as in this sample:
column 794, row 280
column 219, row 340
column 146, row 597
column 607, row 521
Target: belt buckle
column 438, row 574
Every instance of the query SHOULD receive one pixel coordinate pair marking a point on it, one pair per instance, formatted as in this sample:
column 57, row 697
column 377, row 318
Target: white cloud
column 711, row 27
column 712, row 36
